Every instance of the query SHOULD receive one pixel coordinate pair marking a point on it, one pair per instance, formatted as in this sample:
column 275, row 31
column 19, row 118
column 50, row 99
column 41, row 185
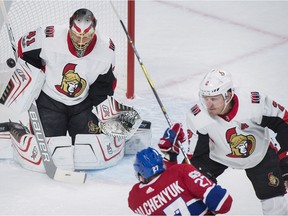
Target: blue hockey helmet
column 148, row 162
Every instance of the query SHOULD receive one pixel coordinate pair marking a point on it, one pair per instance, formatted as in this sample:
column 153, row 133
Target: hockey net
column 25, row 16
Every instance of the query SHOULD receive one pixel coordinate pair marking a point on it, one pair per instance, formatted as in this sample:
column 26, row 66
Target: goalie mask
column 82, row 29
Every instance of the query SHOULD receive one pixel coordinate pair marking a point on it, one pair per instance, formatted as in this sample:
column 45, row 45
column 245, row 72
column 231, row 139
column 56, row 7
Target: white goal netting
column 25, row 16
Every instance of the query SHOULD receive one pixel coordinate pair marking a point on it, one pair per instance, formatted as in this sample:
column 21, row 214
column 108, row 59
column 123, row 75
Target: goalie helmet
column 148, row 163
column 216, row 82
column 82, row 29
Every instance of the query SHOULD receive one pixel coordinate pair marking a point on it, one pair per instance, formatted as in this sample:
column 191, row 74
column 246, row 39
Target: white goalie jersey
column 241, row 138
column 68, row 77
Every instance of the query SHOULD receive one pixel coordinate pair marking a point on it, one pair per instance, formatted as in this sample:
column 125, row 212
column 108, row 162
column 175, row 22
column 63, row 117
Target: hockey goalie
column 121, row 130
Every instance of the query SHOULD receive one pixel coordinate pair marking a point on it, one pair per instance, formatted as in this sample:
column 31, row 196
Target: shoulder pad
column 195, row 110
column 255, row 97
column 111, row 45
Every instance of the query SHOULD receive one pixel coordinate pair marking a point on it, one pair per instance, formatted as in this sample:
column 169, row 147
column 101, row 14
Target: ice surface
column 178, row 41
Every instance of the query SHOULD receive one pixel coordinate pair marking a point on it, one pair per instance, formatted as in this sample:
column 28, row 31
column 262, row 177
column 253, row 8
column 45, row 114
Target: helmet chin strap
column 226, row 103
column 222, row 112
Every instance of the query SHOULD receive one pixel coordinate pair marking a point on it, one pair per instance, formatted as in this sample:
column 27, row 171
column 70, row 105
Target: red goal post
column 26, row 15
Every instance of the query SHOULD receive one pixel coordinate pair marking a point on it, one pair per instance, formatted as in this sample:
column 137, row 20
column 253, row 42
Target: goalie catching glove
column 169, row 143
column 116, row 119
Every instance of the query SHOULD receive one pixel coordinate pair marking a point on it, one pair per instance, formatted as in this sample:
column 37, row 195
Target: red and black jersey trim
column 111, row 45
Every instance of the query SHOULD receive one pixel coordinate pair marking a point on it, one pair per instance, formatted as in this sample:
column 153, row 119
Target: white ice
column 178, row 41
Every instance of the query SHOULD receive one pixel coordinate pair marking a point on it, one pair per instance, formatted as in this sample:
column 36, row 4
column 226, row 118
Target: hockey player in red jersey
column 178, row 190
column 229, row 128
column 78, row 65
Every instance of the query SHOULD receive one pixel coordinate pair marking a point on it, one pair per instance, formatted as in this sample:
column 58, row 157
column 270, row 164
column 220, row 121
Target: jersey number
column 178, row 207
column 199, row 179
column 30, row 38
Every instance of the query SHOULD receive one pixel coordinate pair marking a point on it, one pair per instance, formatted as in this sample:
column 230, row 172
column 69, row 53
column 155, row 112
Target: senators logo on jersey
column 93, row 128
column 241, row 146
column 72, row 84
column 273, row 180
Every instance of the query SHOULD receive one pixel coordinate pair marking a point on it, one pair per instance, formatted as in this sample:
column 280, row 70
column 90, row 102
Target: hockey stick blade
column 51, row 170
column 70, row 176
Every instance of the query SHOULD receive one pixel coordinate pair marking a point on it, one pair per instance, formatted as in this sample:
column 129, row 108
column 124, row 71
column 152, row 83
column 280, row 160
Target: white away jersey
column 238, row 141
column 68, row 77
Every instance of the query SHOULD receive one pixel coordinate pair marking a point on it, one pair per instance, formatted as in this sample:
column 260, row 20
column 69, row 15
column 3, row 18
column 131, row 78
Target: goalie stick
column 51, row 170
column 149, row 80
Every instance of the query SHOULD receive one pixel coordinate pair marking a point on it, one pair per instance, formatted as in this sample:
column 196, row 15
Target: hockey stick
column 9, row 29
column 51, row 170
column 149, row 80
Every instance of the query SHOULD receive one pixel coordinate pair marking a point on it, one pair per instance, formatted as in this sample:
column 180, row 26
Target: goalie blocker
column 23, row 88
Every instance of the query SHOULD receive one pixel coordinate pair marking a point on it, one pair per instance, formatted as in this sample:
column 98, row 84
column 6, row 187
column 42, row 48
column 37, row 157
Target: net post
column 130, row 52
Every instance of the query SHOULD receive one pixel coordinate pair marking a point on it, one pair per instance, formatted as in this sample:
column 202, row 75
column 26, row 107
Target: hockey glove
column 170, row 139
column 116, row 119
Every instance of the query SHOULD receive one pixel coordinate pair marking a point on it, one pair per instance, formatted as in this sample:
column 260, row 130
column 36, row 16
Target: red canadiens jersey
column 181, row 189
column 241, row 138
column 68, row 77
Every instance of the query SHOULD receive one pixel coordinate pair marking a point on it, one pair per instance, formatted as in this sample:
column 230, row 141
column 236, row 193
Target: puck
column 11, row 62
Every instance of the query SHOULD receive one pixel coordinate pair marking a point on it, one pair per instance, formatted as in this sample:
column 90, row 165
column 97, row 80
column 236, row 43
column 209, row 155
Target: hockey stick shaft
column 149, row 79
column 9, row 29
column 51, row 170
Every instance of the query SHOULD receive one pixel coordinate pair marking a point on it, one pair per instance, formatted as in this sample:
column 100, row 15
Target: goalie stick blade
column 70, row 176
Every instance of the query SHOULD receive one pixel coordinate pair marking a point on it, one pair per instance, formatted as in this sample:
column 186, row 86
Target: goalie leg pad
column 62, row 151
column 97, row 151
column 27, row 154
column 6, row 151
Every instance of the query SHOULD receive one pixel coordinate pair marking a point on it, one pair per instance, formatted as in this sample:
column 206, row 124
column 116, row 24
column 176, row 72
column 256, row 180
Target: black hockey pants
column 265, row 177
column 58, row 119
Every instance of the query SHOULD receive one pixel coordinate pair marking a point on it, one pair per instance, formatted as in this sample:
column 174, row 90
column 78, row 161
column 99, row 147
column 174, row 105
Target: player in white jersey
column 78, row 65
column 229, row 128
